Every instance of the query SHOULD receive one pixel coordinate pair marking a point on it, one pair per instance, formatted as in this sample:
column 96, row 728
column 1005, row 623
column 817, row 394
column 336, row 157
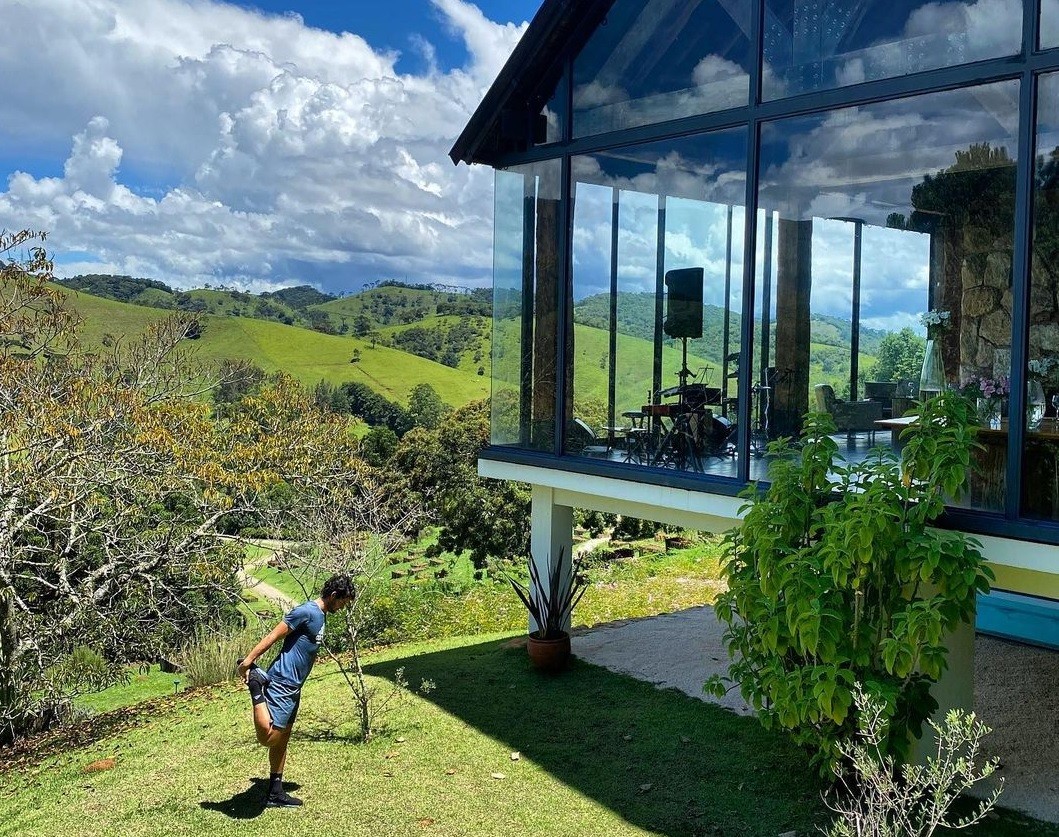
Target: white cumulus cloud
column 200, row 141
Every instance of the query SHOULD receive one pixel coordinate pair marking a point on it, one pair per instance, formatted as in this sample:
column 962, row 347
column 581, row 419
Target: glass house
column 714, row 215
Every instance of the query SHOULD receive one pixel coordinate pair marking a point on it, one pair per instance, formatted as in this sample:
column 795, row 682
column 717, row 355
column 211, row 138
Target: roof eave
column 551, row 19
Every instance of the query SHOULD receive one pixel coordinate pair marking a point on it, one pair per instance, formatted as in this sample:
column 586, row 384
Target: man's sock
column 275, row 784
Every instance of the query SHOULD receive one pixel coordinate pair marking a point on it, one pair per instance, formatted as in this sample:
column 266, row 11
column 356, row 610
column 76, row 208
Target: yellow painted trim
column 1031, row 582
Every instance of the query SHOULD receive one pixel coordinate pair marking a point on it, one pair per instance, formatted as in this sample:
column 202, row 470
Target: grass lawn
column 142, row 686
column 600, row 754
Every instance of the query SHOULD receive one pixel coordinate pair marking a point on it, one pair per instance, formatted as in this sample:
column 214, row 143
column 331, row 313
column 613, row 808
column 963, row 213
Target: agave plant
column 550, row 601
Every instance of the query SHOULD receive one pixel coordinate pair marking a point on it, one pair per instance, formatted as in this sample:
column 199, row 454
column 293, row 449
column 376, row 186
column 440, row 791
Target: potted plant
column 550, row 601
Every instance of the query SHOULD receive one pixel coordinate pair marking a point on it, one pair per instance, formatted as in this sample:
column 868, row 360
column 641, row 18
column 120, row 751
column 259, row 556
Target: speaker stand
column 684, row 372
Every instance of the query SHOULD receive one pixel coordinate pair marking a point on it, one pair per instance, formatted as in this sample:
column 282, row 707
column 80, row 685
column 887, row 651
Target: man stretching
column 277, row 692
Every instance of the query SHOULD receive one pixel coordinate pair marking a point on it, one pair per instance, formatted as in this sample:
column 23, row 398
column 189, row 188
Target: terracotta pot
column 549, row 655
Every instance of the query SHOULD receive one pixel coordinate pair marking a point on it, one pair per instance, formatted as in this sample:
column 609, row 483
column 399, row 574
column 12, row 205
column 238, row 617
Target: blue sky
column 254, row 145
column 392, row 25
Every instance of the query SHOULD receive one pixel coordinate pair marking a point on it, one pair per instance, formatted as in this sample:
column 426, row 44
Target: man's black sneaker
column 282, row 800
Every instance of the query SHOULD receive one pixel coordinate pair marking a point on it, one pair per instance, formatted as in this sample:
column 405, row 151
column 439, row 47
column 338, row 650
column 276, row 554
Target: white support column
column 955, row 689
column 551, row 533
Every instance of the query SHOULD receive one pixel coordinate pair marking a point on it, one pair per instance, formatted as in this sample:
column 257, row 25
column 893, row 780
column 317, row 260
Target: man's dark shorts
column 282, row 704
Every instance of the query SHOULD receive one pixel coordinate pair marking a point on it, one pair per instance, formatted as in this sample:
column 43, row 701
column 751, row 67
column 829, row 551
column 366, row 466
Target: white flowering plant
column 936, row 322
column 1041, row 368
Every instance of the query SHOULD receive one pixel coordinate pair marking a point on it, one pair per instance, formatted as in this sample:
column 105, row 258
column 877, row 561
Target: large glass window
column 1049, row 23
column 657, row 275
column 821, row 44
column 871, row 217
column 1040, row 463
column 657, row 60
column 525, row 296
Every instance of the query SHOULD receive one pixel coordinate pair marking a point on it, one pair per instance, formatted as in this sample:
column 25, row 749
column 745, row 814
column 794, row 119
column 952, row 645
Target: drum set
column 682, row 431
column 686, row 426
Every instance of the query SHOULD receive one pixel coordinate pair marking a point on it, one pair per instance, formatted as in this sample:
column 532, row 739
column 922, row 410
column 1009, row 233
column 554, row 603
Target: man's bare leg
column 277, row 759
column 277, row 751
column 263, row 724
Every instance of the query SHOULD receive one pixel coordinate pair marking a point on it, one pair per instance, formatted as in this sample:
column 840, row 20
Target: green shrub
column 835, row 577
column 875, row 797
column 83, row 670
column 411, row 611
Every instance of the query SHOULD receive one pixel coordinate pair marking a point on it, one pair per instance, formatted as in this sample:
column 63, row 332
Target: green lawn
column 142, row 686
column 599, row 754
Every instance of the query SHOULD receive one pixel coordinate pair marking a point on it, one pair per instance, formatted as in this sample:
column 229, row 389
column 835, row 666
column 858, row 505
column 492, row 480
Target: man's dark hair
column 340, row 586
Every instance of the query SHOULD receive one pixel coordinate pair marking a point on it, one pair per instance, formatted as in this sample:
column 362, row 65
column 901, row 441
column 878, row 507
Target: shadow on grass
column 247, row 804
column 663, row 761
column 29, row 752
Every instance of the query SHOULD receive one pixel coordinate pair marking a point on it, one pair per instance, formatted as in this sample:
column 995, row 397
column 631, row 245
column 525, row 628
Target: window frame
column 1026, row 67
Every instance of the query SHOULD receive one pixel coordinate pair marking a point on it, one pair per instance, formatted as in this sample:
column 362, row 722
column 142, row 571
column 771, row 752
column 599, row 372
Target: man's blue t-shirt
column 300, row 646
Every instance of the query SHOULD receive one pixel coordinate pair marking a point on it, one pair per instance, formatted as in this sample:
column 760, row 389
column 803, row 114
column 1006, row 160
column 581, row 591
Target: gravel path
column 1016, row 691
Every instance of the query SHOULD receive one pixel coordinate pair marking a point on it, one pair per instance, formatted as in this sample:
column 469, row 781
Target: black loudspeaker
column 684, row 303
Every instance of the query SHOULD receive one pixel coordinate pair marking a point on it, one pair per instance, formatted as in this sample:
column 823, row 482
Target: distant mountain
column 636, row 317
column 444, row 325
column 121, row 288
column 306, row 354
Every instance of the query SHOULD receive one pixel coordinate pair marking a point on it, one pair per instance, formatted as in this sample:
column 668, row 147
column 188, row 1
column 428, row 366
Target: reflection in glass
column 549, row 124
column 525, row 296
column 870, row 218
column 662, row 59
column 818, row 44
column 657, row 267
column 1040, row 463
column 1049, row 24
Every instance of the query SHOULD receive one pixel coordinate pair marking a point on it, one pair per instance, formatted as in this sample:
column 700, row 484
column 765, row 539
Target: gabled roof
column 529, row 76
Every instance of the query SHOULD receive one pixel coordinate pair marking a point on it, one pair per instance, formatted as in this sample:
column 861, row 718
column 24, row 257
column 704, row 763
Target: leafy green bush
column 835, row 577
column 417, row 611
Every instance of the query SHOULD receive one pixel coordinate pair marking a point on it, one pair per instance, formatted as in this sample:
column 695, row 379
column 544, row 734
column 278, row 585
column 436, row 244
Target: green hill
column 389, row 305
column 307, row 355
column 403, row 335
column 460, row 342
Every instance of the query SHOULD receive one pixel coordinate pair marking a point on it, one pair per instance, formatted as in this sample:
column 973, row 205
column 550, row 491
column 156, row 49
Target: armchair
column 884, row 392
column 849, row 416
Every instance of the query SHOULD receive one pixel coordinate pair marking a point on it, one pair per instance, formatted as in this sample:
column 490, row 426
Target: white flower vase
column 1035, row 403
column 932, row 376
column 989, row 412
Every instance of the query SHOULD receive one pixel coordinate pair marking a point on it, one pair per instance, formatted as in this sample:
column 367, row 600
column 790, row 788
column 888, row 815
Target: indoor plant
column 550, row 601
column 988, row 395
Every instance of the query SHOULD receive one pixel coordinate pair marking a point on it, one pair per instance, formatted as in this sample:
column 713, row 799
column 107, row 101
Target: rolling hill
column 306, row 354
column 393, row 337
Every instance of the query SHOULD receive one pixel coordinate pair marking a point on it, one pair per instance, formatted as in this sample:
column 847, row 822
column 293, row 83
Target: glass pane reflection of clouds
column 865, row 163
column 881, row 213
column 658, row 60
column 1049, row 24
column 821, row 44
column 639, row 213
